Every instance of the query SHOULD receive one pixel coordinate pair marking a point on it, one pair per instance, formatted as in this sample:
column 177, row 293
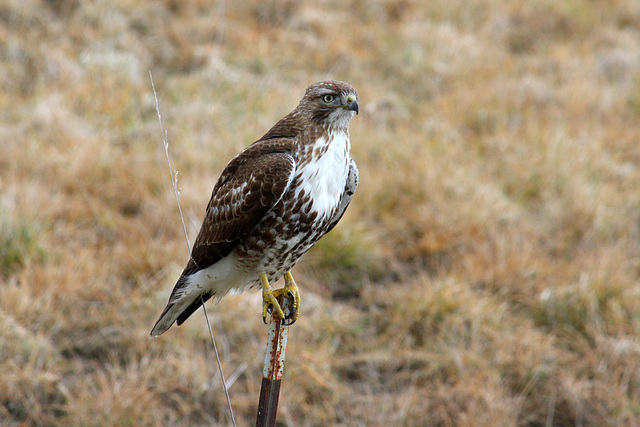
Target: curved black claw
column 271, row 300
column 290, row 317
column 292, row 321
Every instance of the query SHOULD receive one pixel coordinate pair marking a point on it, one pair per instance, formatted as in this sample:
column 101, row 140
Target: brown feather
column 251, row 184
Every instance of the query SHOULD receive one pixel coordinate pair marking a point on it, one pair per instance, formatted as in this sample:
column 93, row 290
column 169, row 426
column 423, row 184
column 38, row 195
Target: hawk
column 272, row 202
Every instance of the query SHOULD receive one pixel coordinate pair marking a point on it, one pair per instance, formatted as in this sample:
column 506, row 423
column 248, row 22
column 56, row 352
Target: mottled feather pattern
column 252, row 183
column 272, row 202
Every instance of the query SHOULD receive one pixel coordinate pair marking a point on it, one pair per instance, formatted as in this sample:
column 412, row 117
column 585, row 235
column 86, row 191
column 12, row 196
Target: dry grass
column 486, row 273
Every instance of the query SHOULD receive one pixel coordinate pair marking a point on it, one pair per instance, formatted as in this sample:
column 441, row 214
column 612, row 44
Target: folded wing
column 248, row 188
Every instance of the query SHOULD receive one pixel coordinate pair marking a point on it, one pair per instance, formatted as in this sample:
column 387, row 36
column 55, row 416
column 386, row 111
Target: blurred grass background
column 486, row 272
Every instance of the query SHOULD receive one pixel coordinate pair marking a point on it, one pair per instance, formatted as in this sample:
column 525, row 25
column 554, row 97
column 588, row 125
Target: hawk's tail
column 179, row 309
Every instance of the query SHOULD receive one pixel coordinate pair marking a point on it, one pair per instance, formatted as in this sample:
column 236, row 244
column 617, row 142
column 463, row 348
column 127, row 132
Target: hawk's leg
column 270, row 299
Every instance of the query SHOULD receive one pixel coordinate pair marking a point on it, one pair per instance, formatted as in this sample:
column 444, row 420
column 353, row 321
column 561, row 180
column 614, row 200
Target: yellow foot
column 291, row 292
column 270, row 299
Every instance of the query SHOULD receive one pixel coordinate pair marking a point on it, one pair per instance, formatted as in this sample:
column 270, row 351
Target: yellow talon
column 291, row 290
column 270, row 298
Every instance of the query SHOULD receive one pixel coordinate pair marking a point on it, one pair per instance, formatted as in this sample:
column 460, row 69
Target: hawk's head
column 330, row 103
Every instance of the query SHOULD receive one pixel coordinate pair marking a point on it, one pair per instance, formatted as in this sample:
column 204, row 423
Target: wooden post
column 273, row 368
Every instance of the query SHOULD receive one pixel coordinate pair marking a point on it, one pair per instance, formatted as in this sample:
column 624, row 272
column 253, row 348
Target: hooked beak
column 352, row 103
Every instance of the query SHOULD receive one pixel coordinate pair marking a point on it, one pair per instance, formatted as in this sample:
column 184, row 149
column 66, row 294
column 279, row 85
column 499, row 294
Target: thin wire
column 174, row 177
column 174, row 182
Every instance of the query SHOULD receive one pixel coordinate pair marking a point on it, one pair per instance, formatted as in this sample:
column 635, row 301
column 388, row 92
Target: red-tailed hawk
column 272, row 202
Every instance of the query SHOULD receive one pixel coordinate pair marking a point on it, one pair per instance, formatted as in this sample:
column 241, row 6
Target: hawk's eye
column 328, row 98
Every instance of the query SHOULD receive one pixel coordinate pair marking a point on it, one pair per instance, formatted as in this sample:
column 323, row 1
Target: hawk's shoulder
column 249, row 187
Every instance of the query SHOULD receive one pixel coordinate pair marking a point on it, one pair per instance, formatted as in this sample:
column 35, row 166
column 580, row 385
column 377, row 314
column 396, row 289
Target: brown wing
column 249, row 187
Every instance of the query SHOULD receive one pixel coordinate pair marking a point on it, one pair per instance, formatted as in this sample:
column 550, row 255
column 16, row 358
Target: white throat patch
column 339, row 119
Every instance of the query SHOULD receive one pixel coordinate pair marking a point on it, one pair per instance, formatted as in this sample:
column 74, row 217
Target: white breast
column 324, row 178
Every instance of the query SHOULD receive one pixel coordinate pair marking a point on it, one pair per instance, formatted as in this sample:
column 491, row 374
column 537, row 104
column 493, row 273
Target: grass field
column 486, row 274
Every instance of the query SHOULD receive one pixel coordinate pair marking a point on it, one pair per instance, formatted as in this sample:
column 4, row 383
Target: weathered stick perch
column 273, row 368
